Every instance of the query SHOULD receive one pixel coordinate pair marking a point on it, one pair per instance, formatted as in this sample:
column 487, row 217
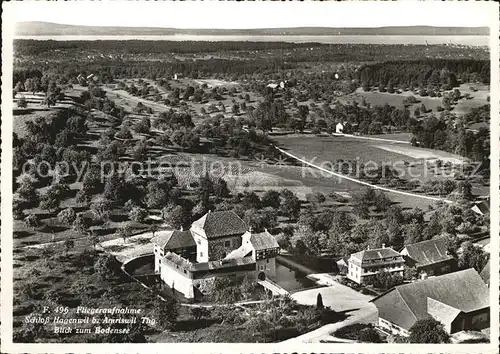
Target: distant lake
column 340, row 39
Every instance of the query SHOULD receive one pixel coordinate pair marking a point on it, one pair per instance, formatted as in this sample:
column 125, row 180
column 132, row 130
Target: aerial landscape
column 218, row 189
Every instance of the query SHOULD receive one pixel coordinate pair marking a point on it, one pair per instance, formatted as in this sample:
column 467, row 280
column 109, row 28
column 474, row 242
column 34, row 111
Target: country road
column 390, row 190
column 371, row 138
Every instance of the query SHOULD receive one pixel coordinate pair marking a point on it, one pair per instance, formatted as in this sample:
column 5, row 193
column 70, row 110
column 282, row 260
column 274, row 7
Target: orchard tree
column 124, row 232
column 271, row 199
column 138, row 214
column 21, row 102
column 32, row 221
column 69, row 244
column 17, row 209
column 101, row 209
column 199, row 210
column 390, row 87
column 55, row 194
column 81, row 225
column 290, row 206
column 106, row 266
column 174, row 216
column 33, row 85
column 140, row 152
column 220, row 189
column 67, row 216
column 27, row 191
column 205, row 189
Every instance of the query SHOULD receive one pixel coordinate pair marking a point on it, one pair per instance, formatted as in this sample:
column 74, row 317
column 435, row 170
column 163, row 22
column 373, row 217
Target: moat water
column 291, row 280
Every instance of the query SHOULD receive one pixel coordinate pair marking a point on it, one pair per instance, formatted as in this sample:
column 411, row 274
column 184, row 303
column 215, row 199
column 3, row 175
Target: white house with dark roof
column 459, row 300
column 430, row 257
column 367, row 263
column 219, row 244
column 339, row 128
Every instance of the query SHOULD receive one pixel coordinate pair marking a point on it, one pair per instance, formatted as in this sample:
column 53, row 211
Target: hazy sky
column 215, row 14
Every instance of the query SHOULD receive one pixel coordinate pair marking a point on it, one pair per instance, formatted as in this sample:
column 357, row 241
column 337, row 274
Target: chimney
column 250, row 229
column 209, row 211
column 368, row 247
column 182, row 228
column 383, row 245
column 265, row 229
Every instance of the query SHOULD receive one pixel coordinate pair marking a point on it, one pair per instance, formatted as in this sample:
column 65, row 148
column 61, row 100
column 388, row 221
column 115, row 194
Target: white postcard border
column 7, row 243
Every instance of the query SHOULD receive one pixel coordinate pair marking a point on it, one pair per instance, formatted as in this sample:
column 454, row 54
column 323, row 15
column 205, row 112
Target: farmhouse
column 485, row 273
column 219, row 244
column 481, row 207
column 272, row 86
column 81, row 79
column 430, row 257
column 368, row 263
column 339, row 128
column 459, row 300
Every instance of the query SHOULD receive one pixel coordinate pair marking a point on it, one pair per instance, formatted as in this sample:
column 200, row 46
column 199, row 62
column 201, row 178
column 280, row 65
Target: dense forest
column 421, row 73
column 308, row 52
column 34, row 47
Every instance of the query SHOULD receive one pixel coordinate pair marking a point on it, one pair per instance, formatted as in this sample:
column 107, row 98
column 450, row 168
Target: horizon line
column 248, row 28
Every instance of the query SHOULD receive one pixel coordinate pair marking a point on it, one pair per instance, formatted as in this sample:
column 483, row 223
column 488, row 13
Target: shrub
column 361, row 332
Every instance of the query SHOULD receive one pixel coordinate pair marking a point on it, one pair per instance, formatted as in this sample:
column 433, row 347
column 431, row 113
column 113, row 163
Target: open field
column 412, row 161
column 215, row 83
column 35, row 109
column 374, row 97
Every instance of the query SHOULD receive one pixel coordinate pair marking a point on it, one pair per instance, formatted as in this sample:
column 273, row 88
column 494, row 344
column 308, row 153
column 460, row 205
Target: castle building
column 219, row 244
